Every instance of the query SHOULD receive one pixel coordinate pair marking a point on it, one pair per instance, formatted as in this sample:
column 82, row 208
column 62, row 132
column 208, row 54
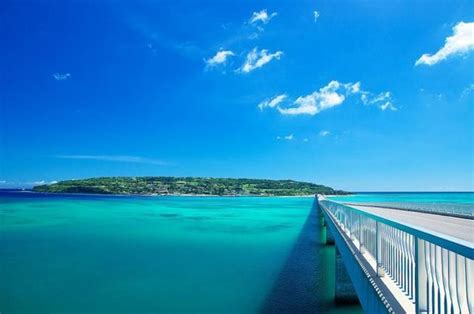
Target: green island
column 186, row 186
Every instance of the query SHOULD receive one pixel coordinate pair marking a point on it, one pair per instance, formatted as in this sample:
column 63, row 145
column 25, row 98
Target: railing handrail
column 456, row 245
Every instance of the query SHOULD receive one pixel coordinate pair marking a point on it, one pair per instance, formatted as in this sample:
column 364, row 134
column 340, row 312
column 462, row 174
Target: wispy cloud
column 262, row 16
column 157, row 39
column 116, row 158
column 461, row 42
column 24, row 184
column 152, row 48
column 253, row 36
column 61, row 76
column 468, row 90
column 329, row 96
column 289, row 137
column 257, row 59
column 272, row 102
column 382, row 100
column 324, row 133
column 38, row 182
column 219, row 58
column 316, row 16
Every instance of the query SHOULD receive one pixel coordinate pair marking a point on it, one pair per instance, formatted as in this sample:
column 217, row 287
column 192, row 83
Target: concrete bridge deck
column 454, row 228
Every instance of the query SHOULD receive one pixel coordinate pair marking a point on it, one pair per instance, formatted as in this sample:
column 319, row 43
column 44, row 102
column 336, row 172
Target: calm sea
column 163, row 254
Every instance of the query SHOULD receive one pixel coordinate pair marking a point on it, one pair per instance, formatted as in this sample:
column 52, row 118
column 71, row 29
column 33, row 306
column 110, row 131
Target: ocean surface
column 116, row 254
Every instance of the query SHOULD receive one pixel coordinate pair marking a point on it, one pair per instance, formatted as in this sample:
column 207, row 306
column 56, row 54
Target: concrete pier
column 329, row 237
column 345, row 292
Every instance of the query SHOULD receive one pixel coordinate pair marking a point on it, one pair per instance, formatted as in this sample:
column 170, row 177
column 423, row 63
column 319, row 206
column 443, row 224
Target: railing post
column 421, row 296
column 378, row 250
column 361, row 243
column 351, row 224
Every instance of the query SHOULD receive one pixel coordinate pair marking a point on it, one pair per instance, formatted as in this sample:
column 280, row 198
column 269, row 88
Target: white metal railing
column 433, row 274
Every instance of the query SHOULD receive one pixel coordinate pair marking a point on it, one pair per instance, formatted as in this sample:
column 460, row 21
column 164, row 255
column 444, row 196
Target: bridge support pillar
column 321, row 220
column 345, row 292
column 328, row 235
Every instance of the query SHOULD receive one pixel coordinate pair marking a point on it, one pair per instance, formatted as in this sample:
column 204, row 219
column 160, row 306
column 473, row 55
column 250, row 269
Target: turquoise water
column 162, row 254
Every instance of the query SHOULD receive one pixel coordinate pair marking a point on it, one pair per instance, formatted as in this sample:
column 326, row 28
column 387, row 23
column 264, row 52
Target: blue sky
column 358, row 95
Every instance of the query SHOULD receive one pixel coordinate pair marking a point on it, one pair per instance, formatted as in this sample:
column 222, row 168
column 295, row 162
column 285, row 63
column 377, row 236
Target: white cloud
column 316, row 16
column 118, row 158
column 287, row 137
column 327, row 97
column 334, row 94
column 272, row 102
column 355, row 88
column 262, row 16
column 324, row 133
column 388, row 105
column 219, row 58
column 257, row 59
column 61, row 77
column 461, row 42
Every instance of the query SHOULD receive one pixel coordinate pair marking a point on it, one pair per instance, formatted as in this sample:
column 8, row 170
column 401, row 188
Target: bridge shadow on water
column 306, row 283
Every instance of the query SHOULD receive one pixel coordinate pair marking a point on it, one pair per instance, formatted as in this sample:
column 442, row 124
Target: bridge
column 401, row 260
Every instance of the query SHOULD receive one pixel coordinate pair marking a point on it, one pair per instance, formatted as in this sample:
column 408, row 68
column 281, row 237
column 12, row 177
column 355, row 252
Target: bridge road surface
column 452, row 228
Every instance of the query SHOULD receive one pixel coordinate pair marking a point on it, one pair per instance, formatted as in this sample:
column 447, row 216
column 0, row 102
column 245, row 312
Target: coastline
column 338, row 195
column 155, row 195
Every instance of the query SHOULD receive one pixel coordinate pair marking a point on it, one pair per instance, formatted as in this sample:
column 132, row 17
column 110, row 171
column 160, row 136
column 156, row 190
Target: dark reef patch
column 238, row 229
column 169, row 215
column 198, row 218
